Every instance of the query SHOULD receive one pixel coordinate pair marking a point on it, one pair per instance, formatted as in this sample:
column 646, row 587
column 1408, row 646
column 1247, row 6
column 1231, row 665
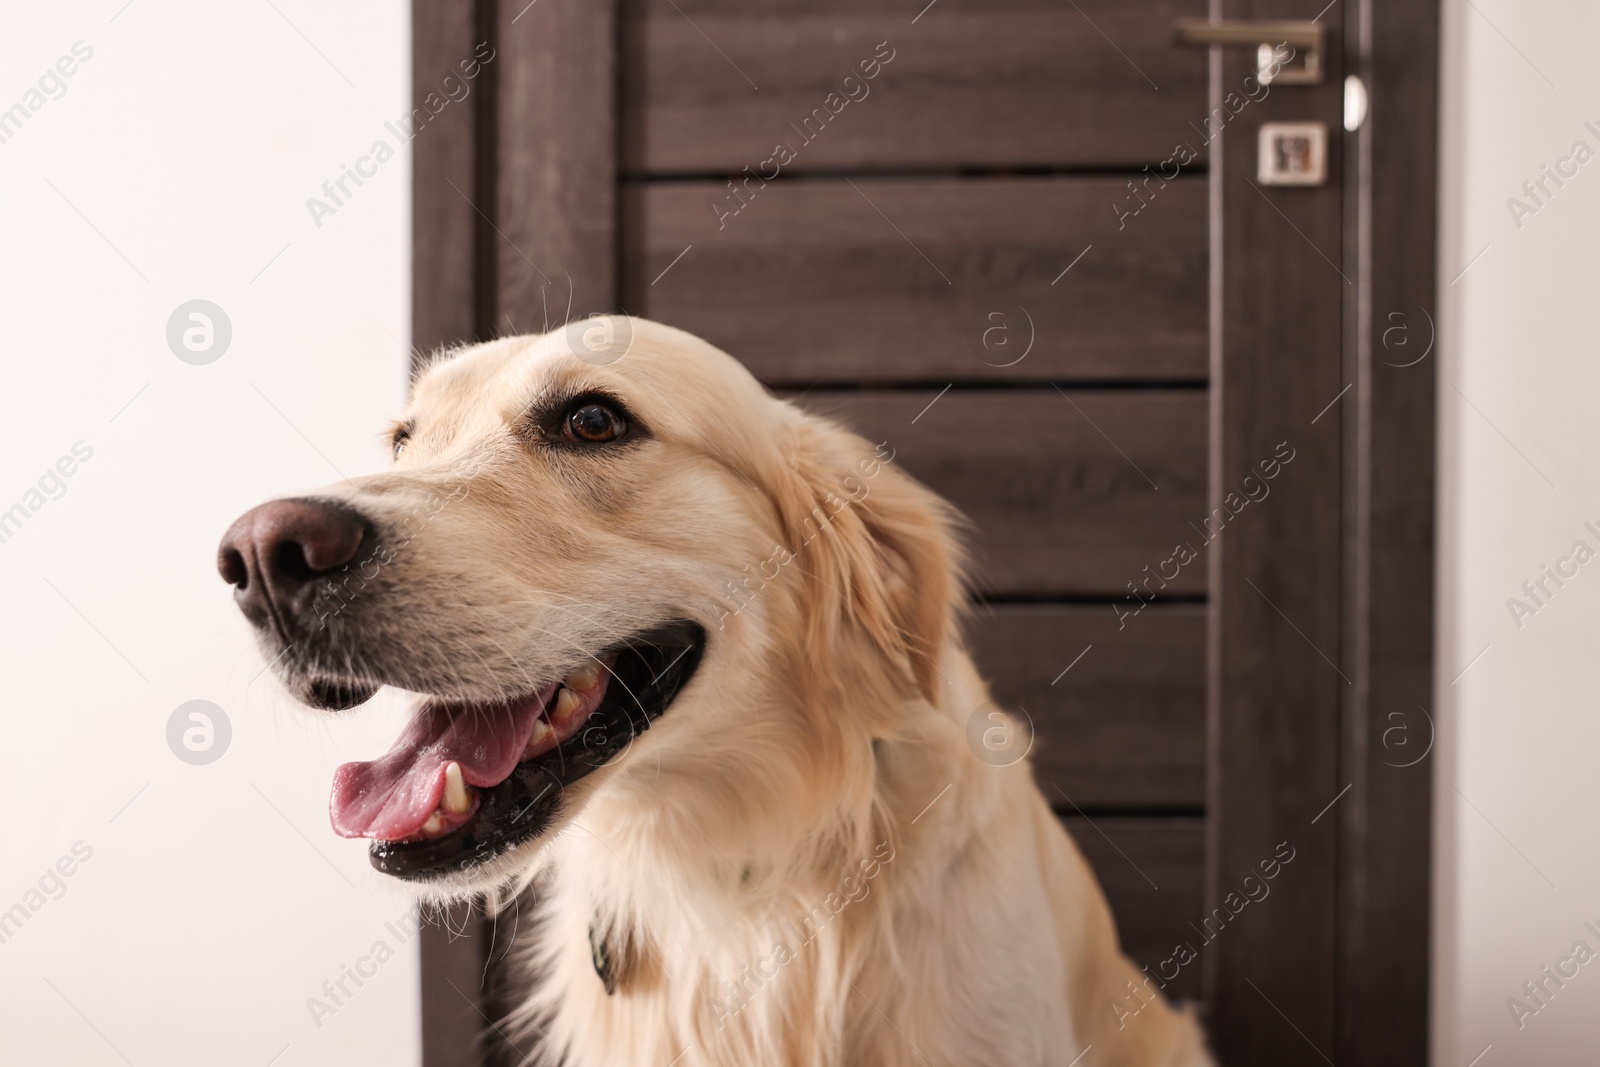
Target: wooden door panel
column 1152, row 871
column 1071, row 494
column 900, row 280
column 710, row 86
column 552, row 246
column 1118, row 709
column 444, row 279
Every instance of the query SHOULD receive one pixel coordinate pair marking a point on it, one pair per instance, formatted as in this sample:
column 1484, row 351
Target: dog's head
column 609, row 561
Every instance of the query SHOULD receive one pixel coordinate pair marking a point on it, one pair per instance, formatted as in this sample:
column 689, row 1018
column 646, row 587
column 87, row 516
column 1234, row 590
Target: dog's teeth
column 566, row 703
column 585, row 677
column 434, row 824
column 456, row 800
column 541, row 730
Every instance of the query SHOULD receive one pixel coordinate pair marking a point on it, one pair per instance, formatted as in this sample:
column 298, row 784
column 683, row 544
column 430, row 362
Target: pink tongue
column 392, row 796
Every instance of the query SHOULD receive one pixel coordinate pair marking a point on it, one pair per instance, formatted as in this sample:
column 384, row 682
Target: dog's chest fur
column 717, row 959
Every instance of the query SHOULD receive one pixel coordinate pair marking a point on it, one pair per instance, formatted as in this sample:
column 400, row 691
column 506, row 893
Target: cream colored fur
column 817, row 765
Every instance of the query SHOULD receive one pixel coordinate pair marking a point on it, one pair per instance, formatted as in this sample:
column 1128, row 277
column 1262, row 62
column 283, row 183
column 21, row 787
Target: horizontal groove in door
column 711, row 85
column 1069, row 494
column 1159, row 598
column 1116, row 707
column 950, row 173
column 997, row 386
column 1010, row 280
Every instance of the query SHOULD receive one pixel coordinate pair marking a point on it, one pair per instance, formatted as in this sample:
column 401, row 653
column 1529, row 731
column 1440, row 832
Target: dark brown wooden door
column 1024, row 241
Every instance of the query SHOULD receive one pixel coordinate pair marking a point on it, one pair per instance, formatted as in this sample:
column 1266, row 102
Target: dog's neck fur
column 735, row 945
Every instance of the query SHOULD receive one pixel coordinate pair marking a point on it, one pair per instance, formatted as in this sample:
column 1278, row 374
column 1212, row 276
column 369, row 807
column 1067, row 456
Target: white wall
column 1518, row 855
column 216, row 899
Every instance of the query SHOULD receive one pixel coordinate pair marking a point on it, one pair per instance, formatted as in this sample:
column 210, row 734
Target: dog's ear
column 877, row 549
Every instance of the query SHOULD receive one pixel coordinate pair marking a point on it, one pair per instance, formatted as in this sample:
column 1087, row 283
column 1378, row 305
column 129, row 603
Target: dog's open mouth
column 467, row 782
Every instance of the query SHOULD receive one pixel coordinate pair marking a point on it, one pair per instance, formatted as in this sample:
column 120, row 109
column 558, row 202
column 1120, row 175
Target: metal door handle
column 1287, row 53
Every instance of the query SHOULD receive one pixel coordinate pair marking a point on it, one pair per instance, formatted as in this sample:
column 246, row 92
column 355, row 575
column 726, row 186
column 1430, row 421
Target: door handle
column 1287, row 53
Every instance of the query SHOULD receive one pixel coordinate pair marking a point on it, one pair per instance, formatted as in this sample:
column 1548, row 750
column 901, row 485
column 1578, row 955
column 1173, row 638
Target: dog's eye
column 594, row 423
column 400, row 439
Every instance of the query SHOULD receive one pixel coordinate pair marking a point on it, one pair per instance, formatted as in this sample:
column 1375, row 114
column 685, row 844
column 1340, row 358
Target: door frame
column 482, row 255
column 1385, row 886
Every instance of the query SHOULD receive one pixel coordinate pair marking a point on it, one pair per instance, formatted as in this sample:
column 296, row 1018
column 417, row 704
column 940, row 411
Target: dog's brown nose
column 274, row 554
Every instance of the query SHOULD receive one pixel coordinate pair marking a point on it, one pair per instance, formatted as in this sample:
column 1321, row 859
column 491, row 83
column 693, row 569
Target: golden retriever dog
column 692, row 679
